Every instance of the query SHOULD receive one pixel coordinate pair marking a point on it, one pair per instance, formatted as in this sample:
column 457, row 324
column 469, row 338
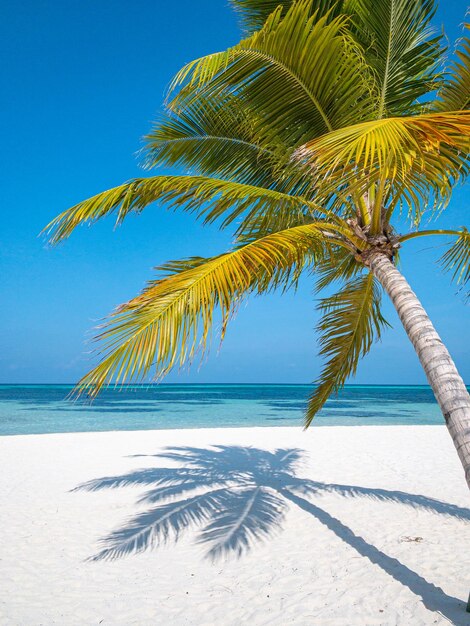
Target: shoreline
column 223, row 428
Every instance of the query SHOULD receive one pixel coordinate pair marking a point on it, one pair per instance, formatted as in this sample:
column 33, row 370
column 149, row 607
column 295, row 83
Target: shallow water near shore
column 35, row 409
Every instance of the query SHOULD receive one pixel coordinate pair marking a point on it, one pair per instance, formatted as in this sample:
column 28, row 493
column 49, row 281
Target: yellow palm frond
column 173, row 316
column 410, row 157
column 391, row 145
column 210, row 198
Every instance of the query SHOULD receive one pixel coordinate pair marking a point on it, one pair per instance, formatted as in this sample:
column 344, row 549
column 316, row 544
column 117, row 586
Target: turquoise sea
column 27, row 409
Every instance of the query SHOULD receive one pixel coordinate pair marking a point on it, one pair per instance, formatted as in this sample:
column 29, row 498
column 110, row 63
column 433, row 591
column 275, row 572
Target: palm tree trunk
column 442, row 375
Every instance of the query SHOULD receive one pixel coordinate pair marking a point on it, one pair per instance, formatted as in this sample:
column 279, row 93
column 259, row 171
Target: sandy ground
column 351, row 525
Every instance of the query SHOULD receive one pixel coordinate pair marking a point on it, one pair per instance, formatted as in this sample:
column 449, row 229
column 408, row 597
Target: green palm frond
column 400, row 47
column 455, row 93
column 210, row 198
column 457, row 258
column 351, row 320
column 172, row 318
column 396, row 37
column 338, row 265
column 303, row 76
column 258, row 225
column 206, row 134
column 216, row 137
column 254, row 13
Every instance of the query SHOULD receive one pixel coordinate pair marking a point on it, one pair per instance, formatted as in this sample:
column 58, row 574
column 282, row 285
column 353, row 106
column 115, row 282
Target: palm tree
column 311, row 137
column 237, row 496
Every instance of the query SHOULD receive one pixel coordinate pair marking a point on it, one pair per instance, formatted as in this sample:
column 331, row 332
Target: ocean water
column 28, row 409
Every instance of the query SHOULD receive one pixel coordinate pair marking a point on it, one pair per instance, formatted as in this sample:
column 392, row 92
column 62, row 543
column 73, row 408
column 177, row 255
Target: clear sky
column 82, row 81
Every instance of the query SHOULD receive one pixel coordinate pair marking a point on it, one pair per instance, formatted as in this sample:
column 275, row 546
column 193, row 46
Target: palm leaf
column 216, row 137
column 337, row 265
column 254, row 13
column 351, row 319
column 173, row 316
column 302, row 75
column 400, row 47
column 210, row 198
column 395, row 35
column 457, row 259
column 392, row 145
column 419, row 158
column 455, row 93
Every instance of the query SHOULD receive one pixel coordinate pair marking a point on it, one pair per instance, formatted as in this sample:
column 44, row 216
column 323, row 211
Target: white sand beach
column 371, row 527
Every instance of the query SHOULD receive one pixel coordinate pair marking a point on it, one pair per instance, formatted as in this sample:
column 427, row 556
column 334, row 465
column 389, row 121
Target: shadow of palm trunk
column 434, row 598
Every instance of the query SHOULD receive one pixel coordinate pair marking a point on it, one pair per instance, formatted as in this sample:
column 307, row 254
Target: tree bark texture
column 441, row 372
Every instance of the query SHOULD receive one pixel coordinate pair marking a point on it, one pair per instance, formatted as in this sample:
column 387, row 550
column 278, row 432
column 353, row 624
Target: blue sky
column 82, row 82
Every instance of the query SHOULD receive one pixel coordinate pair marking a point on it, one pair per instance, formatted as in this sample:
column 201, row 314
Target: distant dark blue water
column 28, row 409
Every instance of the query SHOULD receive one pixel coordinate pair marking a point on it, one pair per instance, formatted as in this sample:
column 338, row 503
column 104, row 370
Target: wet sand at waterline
column 336, row 525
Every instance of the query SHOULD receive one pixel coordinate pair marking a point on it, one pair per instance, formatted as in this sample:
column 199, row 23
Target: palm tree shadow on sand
column 238, row 496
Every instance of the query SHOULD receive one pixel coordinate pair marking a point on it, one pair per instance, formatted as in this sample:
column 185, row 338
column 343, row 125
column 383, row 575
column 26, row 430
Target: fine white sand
column 373, row 527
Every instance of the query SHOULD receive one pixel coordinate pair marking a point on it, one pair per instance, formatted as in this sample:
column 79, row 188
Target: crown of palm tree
column 308, row 137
